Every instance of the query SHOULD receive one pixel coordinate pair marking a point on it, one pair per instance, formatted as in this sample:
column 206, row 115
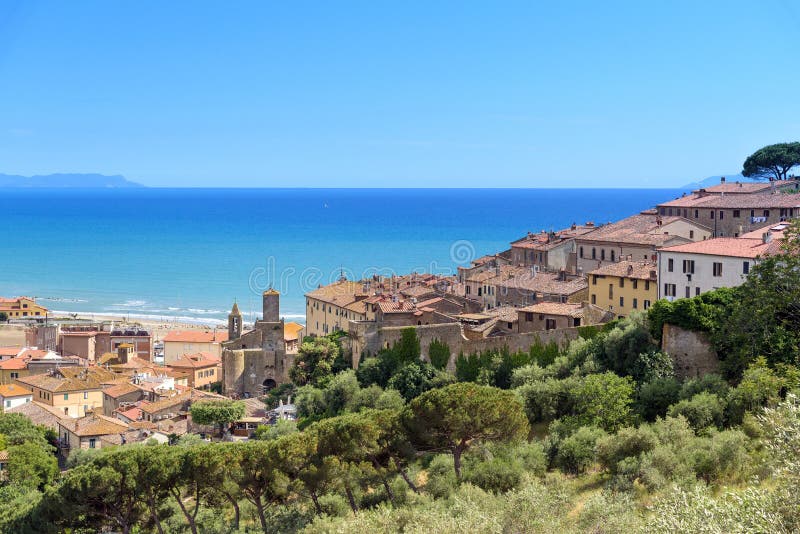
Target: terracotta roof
column 69, row 379
column 542, row 282
column 775, row 229
column 120, row 390
column 401, row 306
column 163, row 404
column 133, row 414
column 34, row 354
column 745, row 201
column 339, row 293
column 14, row 364
column 14, row 390
column 554, row 308
column 9, row 351
column 547, row 240
column 642, row 229
column 737, row 187
column 94, row 425
column 200, row 360
column 196, row 336
column 629, row 269
column 291, row 331
column 736, row 247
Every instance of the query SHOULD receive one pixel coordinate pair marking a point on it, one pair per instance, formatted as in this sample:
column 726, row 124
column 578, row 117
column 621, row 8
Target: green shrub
column 576, row 453
column 656, row 396
column 496, row 475
column 702, row 411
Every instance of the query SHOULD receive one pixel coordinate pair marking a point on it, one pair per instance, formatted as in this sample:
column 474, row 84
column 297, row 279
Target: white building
column 690, row 269
column 13, row 395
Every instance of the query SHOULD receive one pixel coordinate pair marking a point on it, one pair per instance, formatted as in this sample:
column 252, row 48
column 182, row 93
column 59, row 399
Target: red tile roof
column 14, row 364
column 200, row 360
column 555, row 308
column 736, row 247
column 14, row 390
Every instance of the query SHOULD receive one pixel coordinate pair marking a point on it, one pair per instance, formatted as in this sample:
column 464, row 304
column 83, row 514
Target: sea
column 187, row 254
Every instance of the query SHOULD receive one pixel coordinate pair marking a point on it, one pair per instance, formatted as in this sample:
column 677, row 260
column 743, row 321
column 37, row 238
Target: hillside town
column 99, row 384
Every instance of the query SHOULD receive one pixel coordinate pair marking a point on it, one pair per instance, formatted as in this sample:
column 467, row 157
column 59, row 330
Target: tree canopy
column 773, row 161
column 456, row 416
column 217, row 412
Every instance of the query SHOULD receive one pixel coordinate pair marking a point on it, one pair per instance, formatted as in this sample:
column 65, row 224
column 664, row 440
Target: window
column 691, row 234
column 669, row 211
column 611, row 291
column 696, row 214
column 647, row 285
column 603, row 254
column 745, row 268
column 688, row 266
column 635, row 284
column 8, row 404
column 721, row 215
column 594, row 253
column 621, row 302
column 688, row 292
column 621, row 282
column 612, row 255
column 736, row 214
column 669, row 290
column 635, row 304
column 594, row 299
column 85, row 394
column 646, row 304
column 696, row 291
column 766, row 213
column 92, row 443
column 717, row 268
column 528, row 316
column 670, row 265
column 510, row 326
column 752, row 213
column 712, row 214
column 14, row 375
column 66, row 396
column 550, row 324
column 580, row 253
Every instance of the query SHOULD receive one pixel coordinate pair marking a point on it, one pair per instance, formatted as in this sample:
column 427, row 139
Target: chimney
column 722, row 180
column 653, row 275
column 630, row 269
column 766, row 237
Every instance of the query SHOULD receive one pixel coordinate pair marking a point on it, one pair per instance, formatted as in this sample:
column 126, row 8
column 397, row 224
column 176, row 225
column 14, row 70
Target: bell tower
column 234, row 323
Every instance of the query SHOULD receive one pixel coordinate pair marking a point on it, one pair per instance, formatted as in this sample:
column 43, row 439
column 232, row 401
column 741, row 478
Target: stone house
column 71, row 390
column 733, row 209
column 87, row 432
column 549, row 251
column 202, row 369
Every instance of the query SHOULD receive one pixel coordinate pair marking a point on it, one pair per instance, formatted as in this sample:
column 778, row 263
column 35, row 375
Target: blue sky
column 396, row 94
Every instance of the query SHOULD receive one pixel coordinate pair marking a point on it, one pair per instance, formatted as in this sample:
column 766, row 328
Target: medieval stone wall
column 367, row 338
column 691, row 351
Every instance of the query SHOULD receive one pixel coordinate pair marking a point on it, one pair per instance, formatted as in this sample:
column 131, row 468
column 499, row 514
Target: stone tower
column 234, row 323
column 272, row 303
column 254, row 362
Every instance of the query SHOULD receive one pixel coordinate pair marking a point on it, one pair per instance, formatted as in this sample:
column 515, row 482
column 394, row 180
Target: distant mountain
column 714, row 180
column 60, row 181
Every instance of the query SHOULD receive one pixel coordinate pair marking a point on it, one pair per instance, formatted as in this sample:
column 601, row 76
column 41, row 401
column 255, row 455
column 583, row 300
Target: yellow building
column 11, row 370
column 73, row 391
column 21, row 307
column 624, row 286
